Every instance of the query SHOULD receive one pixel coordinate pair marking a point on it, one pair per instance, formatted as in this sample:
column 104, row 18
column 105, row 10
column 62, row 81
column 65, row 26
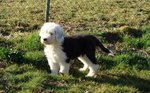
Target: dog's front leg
column 64, row 68
column 54, row 67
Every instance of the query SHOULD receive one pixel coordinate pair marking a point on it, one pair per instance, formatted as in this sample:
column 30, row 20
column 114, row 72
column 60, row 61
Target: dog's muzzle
column 46, row 41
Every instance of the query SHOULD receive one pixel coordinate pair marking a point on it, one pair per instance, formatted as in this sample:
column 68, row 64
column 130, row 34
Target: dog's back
column 75, row 46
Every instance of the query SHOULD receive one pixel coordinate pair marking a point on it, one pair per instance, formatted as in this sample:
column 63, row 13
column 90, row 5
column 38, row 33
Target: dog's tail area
column 101, row 46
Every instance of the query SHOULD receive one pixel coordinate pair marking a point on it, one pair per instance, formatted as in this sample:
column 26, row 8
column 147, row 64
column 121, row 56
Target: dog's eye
column 51, row 33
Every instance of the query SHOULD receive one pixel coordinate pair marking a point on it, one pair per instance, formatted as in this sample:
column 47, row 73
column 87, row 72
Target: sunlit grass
column 122, row 26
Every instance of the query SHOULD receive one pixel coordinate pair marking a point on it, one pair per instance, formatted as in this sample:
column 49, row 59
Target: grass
column 122, row 25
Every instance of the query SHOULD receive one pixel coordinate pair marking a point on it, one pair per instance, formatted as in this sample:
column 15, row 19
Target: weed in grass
column 14, row 55
column 11, row 55
column 21, row 25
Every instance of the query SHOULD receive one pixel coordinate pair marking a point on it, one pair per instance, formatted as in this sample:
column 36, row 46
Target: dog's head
column 51, row 33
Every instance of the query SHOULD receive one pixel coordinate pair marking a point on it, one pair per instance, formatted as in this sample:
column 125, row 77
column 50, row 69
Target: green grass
column 30, row 43
column 122, row 25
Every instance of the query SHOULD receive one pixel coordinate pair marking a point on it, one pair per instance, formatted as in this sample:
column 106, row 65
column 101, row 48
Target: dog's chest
column 55, row 54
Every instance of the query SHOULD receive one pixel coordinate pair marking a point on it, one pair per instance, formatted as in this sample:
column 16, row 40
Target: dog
column 59, row 50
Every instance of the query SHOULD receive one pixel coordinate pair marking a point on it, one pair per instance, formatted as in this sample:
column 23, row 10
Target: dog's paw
column 93, row 71
column 91, row 75
column 83, row 69
column 111, row 54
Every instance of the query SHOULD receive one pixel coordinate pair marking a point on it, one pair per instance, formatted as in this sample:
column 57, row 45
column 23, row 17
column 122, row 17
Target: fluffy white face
column 51, row 33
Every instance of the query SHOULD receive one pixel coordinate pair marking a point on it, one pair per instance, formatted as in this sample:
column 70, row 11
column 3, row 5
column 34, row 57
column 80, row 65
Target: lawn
column 122, row 25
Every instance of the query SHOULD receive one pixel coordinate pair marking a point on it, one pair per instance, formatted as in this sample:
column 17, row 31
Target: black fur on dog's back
column 76, row 46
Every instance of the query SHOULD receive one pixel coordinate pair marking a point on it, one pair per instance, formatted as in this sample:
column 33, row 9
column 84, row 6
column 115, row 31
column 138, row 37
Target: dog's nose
column 45, row 39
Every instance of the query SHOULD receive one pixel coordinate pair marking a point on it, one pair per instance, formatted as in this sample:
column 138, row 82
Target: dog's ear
column 59, row 33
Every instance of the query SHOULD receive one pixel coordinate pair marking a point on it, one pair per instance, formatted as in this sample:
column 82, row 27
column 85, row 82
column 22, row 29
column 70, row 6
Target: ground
column 122, row 25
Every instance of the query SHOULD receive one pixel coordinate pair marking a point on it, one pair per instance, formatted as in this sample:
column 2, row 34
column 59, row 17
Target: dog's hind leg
column 91, row 59
column 85, row 64
column 92, row 67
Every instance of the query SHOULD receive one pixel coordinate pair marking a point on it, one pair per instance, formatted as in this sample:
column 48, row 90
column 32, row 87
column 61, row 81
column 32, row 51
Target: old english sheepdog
column 59, row 50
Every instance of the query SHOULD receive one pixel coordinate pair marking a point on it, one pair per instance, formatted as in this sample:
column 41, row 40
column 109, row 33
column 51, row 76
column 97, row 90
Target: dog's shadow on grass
column 115, row 79
column 114, row 37
column 141, row 84
column 40, row 63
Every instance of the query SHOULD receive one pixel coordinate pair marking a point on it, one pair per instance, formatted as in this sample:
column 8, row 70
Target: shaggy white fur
column 56, row 59
column 52, row 35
